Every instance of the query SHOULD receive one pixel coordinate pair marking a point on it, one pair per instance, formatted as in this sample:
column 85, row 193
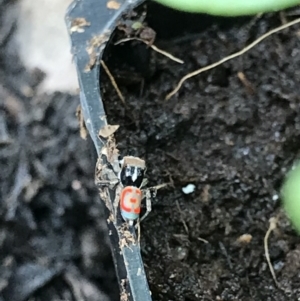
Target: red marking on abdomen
column 130, row 199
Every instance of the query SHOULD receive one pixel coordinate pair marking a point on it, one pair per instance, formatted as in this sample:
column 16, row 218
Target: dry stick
column 113, row 81
column 272, row 227
column 249, row 87
column 234, row 55
column 73, row 284
column 185, row 225
column 167, row 54
column 182, row 219
column 203, row 240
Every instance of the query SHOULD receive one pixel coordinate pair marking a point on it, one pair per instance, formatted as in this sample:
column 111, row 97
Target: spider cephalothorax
column 132, row 171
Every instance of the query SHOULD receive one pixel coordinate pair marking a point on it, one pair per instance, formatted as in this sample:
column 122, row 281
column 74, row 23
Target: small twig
column 159, row 186
column 171, row 181
column 155, row 48
column 203, row 240
column 182, row 219
column 73, row 284
column 242, row 77
column 22, row 179
column 4, row 136
column 224, row 251
column 273, row 222
column 113, row 81
column 234, row 55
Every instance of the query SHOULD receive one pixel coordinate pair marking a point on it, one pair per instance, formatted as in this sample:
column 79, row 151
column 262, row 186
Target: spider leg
column 144, row 183
column 101, row 184
column 107, row 183
column 149, row 197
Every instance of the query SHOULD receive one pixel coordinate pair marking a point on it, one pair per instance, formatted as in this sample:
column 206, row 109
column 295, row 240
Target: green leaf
column 229, row 7
column 290, row 194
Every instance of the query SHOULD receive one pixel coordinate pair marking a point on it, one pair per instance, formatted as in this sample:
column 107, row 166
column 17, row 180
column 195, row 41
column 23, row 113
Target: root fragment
column 272, row 226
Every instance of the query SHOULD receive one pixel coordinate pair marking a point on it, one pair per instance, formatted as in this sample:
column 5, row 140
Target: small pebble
column 190, row 188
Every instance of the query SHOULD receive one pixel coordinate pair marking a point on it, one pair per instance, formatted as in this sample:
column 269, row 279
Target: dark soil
column 233, row 139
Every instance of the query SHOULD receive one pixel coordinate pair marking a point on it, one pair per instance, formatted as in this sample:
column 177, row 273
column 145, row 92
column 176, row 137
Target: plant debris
column 78, row 24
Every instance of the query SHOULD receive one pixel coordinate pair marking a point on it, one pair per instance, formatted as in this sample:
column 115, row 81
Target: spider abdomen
column 130, row 202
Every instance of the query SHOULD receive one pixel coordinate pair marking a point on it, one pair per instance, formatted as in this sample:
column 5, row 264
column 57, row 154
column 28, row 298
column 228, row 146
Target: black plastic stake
column 90, row 24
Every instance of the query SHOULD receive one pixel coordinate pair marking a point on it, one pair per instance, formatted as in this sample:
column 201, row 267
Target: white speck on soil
column 190, row 188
